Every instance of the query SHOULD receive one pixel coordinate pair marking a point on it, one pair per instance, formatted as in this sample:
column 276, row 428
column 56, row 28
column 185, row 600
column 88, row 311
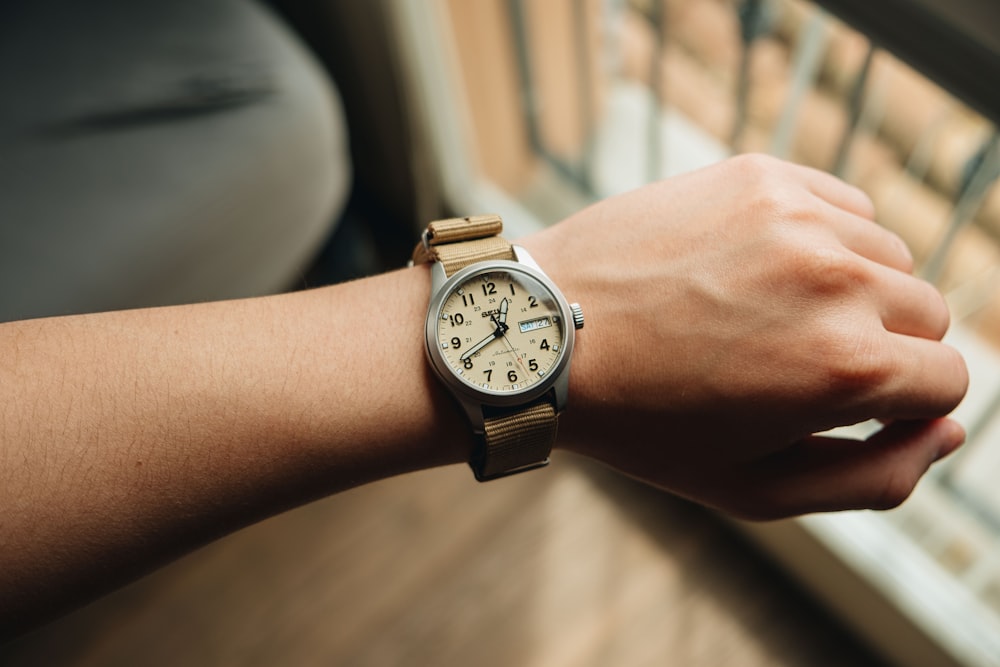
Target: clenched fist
column 738, row 310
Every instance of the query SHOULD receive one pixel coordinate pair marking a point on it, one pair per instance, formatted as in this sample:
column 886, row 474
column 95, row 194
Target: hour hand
column 504, row 305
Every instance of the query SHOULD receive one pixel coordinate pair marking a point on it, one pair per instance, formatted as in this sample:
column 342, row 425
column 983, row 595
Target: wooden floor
column 573, row 565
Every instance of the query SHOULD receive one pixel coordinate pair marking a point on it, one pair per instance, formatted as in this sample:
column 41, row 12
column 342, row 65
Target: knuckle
column 754, row 166
column 856, row 361
column 769, row 196
column 825, row 269
column 775, row 204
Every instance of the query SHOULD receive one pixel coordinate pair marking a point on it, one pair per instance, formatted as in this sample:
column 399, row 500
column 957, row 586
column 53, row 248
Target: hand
column 483, row 343
column 497, row 333
column 733, row 313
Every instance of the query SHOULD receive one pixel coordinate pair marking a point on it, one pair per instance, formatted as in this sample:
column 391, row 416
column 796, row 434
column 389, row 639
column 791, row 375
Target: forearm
column 129, row 438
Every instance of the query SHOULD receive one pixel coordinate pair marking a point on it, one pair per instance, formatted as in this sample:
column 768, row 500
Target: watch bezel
column 464, row 389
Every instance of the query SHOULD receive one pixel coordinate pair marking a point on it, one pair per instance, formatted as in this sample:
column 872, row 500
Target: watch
column 499, row 334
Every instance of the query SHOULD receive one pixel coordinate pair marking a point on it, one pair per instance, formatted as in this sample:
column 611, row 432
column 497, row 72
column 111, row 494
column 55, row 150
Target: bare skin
column 755, row 313
column 731, row 314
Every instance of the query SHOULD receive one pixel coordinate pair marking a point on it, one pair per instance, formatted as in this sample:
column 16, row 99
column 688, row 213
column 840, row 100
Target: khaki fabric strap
column 516, row 440
column 459, row 242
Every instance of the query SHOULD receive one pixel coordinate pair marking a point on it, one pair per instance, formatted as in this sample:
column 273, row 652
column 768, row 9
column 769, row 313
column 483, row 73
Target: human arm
column 130, row 438
column 731, row 313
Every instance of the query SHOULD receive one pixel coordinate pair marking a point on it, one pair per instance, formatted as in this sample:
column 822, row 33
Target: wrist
column 414, row 423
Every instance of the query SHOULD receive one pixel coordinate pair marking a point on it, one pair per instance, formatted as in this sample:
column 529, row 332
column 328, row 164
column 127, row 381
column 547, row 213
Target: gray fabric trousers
column 156, row 152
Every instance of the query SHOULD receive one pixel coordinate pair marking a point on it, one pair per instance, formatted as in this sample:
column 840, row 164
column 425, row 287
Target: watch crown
column 577, row 315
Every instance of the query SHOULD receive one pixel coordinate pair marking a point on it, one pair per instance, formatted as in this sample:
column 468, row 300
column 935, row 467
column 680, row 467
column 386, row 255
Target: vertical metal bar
column 751, row 15
column 919, row 161
column 585, row 91
column 972, row 295
column 854, row 109
column 529, row 98
column 983, row 170
column 805, row 66
column 654, row 122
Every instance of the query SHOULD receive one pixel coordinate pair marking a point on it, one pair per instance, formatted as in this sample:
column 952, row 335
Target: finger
column 868, row 239
column 853, row 213
column 926, row 379
column 831, row 189
column 908, row 305
column 825, row 474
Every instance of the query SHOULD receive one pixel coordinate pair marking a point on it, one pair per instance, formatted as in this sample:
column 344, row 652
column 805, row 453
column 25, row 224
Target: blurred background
column 157, row 153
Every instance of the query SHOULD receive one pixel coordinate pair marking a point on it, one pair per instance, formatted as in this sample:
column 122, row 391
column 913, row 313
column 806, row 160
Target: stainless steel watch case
column 471, row 398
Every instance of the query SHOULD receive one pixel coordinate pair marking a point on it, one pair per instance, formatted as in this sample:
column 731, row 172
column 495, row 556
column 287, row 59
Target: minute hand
column 478, row 346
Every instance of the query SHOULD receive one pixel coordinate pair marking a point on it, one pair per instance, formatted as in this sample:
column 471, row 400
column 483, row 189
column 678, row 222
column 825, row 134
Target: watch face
column 500, row 331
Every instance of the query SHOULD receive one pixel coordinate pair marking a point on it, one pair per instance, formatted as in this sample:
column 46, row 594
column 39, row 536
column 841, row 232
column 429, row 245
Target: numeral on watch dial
column 505, row 327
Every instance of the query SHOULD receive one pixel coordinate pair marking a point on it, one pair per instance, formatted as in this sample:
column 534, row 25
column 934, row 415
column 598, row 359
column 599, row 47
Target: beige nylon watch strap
column 458, row 242
column 515, row 439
